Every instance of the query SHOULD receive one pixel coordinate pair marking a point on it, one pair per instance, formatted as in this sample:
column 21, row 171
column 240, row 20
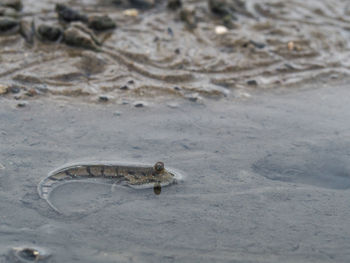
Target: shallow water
column 231, row 207
column 266, row 177
column 155, row 52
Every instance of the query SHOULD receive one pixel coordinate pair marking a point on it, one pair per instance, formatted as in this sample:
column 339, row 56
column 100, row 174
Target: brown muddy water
column 254, row 121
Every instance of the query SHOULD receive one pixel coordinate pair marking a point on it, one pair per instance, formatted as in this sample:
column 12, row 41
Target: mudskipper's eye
column 159, row 166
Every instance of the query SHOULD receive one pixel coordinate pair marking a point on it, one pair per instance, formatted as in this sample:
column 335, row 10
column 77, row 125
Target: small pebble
column 22, row 104
column 31, row 92
column 257, row 44
column 142, row 3
column 174, row 4
column 69, row 15
column 220, row 30
column 193, row 97
column 140, row 104
column 125, row 87
column 15, row 89
column 103, row 98
column 252, row 82
column 117, row 113
column 101, row 23
column 49, row 32
column 170, row 31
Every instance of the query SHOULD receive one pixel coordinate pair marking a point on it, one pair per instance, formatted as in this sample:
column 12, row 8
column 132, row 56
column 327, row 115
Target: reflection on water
column 157, row 189
column 270, row 43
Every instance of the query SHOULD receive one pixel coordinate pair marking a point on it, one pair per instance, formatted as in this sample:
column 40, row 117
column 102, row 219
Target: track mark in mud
column 321, row 166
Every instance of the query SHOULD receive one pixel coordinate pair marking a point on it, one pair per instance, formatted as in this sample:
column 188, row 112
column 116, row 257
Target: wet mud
column 323, row 166
column 190, row 49
column 265, row 179
column 248, row 99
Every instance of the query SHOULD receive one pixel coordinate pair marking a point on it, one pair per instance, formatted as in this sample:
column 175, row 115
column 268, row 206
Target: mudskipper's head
column 159, row 167
column 161, row 173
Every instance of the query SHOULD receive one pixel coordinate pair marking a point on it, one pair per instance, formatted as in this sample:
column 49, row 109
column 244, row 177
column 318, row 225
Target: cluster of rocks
column 72, row 27
column 226, row 10
column 75, row 28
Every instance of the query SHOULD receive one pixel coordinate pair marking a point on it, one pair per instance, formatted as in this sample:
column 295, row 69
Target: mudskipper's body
column 130, row 175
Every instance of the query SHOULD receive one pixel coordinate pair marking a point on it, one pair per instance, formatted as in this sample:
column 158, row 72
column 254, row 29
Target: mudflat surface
column 156, row 53
column 266, row 179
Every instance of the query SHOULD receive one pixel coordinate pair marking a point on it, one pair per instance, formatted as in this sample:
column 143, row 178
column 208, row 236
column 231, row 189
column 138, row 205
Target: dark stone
column 252, row 82
column 174, row 4
column 119, row 2
column 170, row 31
column 22, row 104
column 74, row 36
column 48, row 32
column 15, row 4
column 8, row 11
column 100, row 23
column 68, row 14
column 227, row 21
column 8, row 23
column 142, row 3
column 15, row 89
column 103, row 98
column 139, row 104
column 220, row 7
column 125, row 87
column 257, row 44
column 229, row 8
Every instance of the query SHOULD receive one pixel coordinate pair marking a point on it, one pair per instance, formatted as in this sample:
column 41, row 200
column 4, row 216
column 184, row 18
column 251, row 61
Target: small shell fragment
column 131, row 12
column 220, row 30
column 290, row 45
column 3, row 89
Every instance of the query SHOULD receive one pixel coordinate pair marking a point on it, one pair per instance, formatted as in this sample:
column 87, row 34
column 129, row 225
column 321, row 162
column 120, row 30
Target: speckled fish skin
column 129, row 175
